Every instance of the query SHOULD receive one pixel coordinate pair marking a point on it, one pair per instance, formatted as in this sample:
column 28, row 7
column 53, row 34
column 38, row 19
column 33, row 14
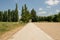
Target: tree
column 25, row 14
column 33, row 15
column 16, row 14
column 1, row 16
column 5, row 16
column 9, row 15
column 22, row 11
column 12, row 16
column 58, row 17
column 49, row 18
column 55, row 18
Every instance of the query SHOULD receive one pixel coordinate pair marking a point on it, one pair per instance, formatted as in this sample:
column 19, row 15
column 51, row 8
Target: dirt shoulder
column 10, row 33
column 51, row 28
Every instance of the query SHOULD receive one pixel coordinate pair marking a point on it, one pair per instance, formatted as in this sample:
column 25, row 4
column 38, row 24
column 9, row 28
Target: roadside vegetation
column 8, row 26
column 9, row 15
column 26, row 15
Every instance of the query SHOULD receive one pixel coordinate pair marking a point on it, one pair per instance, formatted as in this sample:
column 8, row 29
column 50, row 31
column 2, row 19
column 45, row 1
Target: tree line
column 26, row 16
column 9, row 16
column 52, row 18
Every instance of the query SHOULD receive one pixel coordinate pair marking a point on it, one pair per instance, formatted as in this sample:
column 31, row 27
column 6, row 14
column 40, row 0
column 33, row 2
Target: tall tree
column 1, row 16
column 16, row 13
column 33, row 15
column 13, row 16
column 22, row 11
column 9, row 15
column 25, row 14
column 5, row 16
column 58, row 17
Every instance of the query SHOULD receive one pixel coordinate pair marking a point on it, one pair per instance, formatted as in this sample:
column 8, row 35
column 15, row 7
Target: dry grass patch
column 9, row 26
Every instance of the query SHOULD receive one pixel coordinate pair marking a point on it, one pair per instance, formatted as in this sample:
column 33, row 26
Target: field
column 5, row 27
column 51, row 28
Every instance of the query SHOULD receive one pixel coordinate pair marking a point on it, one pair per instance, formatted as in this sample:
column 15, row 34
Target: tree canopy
column 9, row 16
column 26, row 15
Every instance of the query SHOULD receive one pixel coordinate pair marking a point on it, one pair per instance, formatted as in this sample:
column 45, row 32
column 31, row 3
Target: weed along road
column 30, row 32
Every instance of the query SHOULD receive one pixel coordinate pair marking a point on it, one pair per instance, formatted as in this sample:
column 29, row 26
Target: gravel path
column 30, row 32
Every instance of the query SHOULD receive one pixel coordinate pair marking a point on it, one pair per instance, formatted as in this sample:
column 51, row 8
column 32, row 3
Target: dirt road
column 30, row 32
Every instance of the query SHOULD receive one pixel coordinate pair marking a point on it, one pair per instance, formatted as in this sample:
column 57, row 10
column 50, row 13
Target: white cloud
column 40, row 9
column 19, row 10
column 52, row 2
column 57, row 11
column 42, row 12
column 48, row 6
column 50, row 14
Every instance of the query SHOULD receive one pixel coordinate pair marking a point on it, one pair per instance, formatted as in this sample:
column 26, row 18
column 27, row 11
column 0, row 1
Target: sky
column 42, row 7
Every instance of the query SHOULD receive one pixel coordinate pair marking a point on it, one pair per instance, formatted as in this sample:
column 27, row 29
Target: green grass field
column 8, row 26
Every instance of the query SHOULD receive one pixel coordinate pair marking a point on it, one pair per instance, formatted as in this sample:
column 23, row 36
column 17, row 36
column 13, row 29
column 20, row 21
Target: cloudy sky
column 42, row 7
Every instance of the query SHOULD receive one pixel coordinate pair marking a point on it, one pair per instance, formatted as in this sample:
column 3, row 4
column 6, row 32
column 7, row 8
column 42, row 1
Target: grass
column 8, row 26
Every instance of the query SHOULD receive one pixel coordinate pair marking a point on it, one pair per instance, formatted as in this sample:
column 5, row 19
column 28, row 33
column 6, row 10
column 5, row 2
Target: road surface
column 30, row 32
